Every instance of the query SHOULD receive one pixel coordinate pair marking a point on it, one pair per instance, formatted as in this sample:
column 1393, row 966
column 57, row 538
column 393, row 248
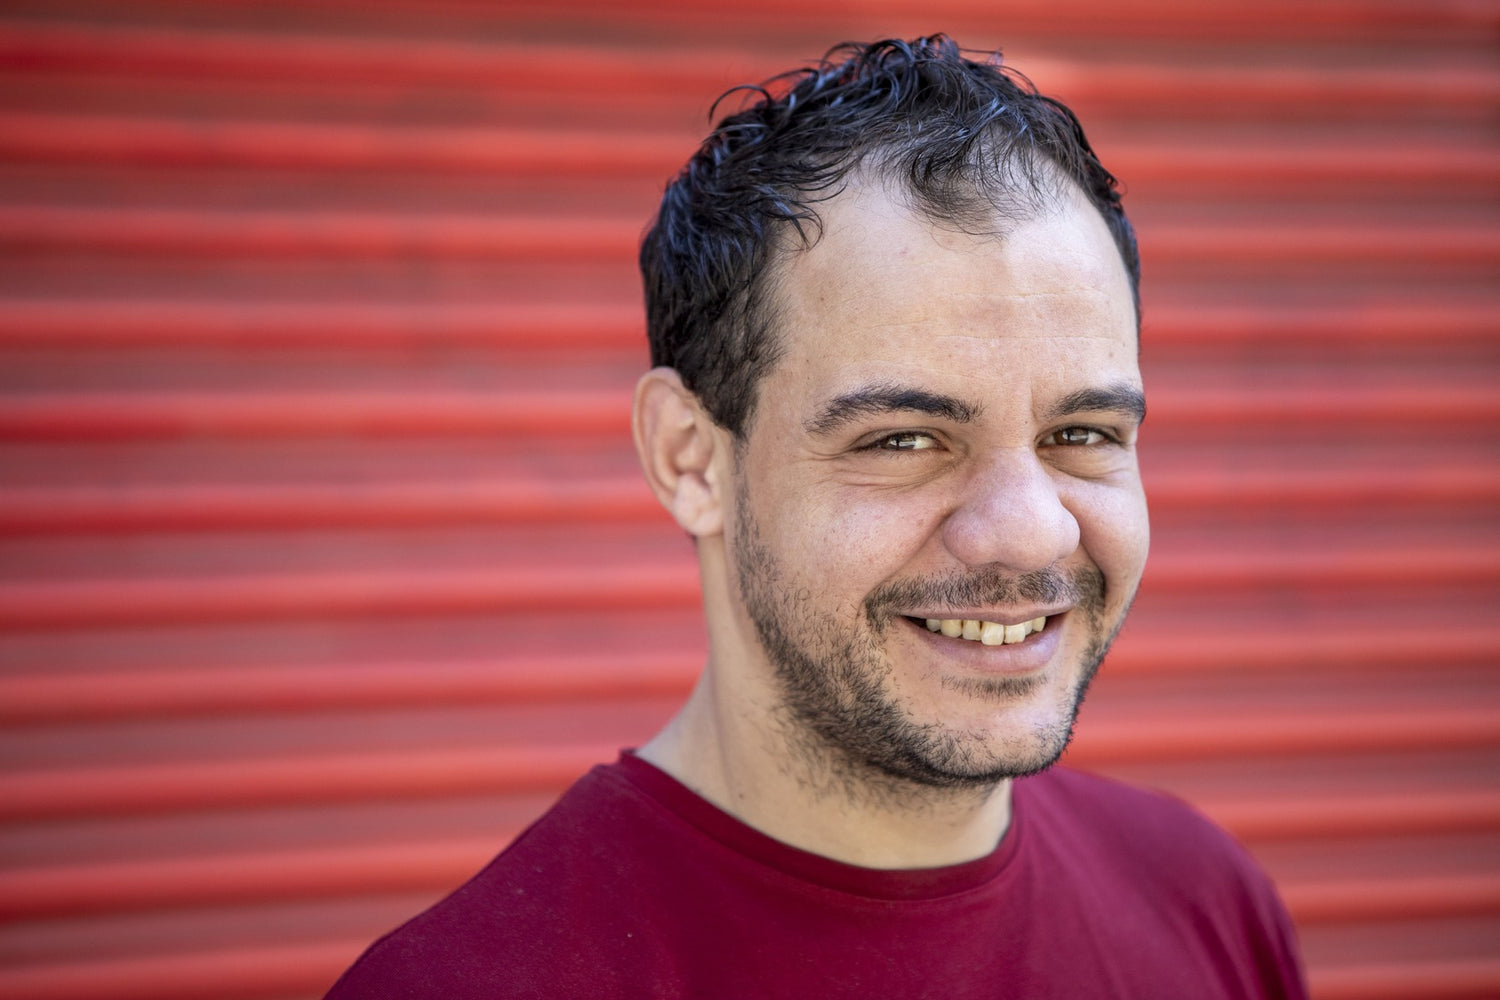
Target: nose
column 1011, row 513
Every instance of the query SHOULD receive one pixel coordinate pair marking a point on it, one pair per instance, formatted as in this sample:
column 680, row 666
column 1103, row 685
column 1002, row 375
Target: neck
column 784, row 782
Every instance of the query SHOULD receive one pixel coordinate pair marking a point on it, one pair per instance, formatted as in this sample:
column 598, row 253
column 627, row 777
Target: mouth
column 984, row 632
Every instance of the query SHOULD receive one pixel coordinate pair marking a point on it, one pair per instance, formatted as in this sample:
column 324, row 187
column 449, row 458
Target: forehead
column 888, row 294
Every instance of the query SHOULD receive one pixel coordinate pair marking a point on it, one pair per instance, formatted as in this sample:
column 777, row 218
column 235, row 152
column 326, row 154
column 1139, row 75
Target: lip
column 1031, row 655
column 1008, row 617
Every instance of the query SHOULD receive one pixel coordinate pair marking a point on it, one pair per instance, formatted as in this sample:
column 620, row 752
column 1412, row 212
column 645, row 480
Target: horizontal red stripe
column 1346, row 21
column 350, row 234
column 102, row 790
column 1402, row 811
column 236, row 690
column 1107, row 742
column 100, row 140
column 1318, row 243
column 193, row 506
column 302, row 969
column 296, row 414
column 1429, row 979
column 252, row 326
column 317, row 594
column 1399, row 897
column 315, row 61
column 348, row 869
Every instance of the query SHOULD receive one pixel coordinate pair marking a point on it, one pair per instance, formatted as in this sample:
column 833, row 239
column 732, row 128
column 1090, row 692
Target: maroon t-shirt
column 633, row 886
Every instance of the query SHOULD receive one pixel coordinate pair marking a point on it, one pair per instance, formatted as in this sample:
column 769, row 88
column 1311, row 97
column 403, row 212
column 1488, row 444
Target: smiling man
column 929, row 526
column 893, row 313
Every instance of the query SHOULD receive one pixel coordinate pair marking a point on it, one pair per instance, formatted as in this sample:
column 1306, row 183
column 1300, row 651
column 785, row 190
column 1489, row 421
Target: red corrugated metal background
column 324, row 564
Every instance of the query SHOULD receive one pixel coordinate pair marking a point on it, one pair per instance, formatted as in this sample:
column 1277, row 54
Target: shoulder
column 1144, row 851
column 1148, row 824
column 1141, row 840
column 547, row 885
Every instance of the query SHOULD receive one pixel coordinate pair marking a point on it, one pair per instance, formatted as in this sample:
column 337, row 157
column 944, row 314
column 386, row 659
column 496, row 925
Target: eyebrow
column 1122, row 397
column 888, row 398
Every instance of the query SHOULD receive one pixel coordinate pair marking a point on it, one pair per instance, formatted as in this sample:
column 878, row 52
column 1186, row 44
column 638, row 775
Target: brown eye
column 906, row 441
column 1078, row 436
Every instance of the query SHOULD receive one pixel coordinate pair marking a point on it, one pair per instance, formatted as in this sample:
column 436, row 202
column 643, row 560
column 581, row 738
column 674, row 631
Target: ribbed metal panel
column 324, row 565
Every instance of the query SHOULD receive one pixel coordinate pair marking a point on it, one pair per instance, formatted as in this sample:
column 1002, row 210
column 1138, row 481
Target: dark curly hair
column 972, row 142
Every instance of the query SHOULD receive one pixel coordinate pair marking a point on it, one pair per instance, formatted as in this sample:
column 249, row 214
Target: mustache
column 1083, row 587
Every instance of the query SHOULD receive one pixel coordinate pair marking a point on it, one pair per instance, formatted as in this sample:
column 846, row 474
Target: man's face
column 948, row 436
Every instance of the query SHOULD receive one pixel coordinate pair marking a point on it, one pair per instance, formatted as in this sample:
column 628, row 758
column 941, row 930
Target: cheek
column 1114, row 532
column 850, row 540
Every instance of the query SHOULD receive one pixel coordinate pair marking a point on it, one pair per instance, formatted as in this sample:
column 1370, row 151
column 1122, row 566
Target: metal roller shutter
column 324, row 564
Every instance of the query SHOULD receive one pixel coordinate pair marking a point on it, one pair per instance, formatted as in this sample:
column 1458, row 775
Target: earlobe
column 677, row 442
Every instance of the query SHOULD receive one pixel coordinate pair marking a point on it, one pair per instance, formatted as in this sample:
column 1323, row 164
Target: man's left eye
column 1078, row 436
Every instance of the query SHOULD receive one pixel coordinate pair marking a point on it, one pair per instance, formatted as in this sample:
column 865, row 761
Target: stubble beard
column 842, row 724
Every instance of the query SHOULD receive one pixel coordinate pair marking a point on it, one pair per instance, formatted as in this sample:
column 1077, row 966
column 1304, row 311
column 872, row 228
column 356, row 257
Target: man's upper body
column 895, row 403
column 634, row 887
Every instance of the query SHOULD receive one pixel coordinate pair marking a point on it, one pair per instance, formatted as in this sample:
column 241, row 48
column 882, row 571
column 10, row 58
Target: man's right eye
column 905, row 441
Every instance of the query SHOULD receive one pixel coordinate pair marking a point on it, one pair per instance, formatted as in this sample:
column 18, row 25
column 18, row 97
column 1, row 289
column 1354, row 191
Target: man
column 893, row 314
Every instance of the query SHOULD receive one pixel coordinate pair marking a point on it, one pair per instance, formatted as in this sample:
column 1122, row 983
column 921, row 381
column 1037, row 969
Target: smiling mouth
column 987, row 633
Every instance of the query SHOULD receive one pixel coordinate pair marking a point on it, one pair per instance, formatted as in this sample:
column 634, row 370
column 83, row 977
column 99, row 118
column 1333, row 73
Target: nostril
column 1013, row 516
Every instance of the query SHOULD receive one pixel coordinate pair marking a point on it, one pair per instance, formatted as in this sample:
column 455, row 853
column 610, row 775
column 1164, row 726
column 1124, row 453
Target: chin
column 1021, row 739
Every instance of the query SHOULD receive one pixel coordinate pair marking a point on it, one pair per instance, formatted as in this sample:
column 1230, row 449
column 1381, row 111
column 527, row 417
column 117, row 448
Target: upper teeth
column 989, row 633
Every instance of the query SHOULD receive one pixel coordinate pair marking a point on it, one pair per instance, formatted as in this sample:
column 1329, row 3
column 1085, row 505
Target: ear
column 677, row 443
